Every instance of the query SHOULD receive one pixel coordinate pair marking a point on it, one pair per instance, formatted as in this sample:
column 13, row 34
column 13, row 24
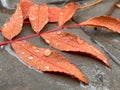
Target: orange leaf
column 66, row 13
column 103, row 21
column 68, row 42
column 38, row 16
column 25, row 5
column 46, row 60
column 13, row 27
column 54, row 14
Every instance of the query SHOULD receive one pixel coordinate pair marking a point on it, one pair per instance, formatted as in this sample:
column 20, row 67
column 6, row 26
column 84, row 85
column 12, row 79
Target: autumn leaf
column 54, row 14
column 103, row 21
column 38, row 16
column 66, row 13
column 46, row 60
column 14, row 26
column 25, row 5
column 118, row 5
column 68, row 42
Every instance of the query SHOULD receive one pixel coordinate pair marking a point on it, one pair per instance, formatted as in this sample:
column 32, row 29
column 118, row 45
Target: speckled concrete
column 14, row 75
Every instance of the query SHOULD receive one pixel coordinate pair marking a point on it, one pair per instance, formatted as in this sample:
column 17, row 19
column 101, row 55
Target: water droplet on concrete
column 2, row 47
column 47, row 52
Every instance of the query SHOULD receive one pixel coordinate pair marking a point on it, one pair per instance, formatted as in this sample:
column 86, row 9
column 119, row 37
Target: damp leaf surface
column 38, row 16
column 66, row 13
column 46, row 60
column 65, row 41
column 109, row 22
column 14, row 25
column 54, row 14
column 25, row 5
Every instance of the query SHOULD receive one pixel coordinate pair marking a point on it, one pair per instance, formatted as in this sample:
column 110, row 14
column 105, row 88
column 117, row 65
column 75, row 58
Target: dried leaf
column 68, row 42
column 25, row 5
column 46, row 60
column 38, row 16
column 118, row 5
column 54, row 14
column 103, row 21
column 66, row 13
column 14, row 26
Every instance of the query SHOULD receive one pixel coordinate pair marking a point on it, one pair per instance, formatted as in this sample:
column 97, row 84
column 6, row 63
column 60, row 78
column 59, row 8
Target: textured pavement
column 14, row 75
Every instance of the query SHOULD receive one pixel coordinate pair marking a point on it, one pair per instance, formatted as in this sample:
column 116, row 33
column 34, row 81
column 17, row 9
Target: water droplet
column 79, row 40
column 32, row 19
column 47, row 52
column 59, row 32
column 115, row 40
column 58, row 62
column 22, row 52
column 19, row 8
column 37, row 50
column 61, row 13
column 38, row 68
column 20, row 24
column 48, row 41
column 23, row 44
column 56, row 44
column 2, row 47
column 30, row 57
column 21, row 16
column 47, row 67
column 34, row 47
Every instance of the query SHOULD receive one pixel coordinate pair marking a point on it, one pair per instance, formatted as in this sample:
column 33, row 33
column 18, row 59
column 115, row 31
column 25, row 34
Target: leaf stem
column 92, row 4
column 112, row 8
column 38, row 34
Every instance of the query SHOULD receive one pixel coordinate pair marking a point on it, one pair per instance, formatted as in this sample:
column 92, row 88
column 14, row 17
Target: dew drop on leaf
column 59, row 32
column 30, row 57
column 79, row 40
column 47, row 52
column 47, row 67
column 48, row 41
column 37, row 50
column 22, row 52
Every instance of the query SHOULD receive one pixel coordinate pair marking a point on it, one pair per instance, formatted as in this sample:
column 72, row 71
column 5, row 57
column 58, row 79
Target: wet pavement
column 15, row 75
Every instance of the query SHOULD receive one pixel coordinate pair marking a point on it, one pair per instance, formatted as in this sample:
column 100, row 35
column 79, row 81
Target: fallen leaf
column 46, row 60
column 25, row 5
column 66, row 13
column 38, row 16
column 54, row 14
column 103, row 21
column 118, row 5
column 68, row 42
column 14, row 25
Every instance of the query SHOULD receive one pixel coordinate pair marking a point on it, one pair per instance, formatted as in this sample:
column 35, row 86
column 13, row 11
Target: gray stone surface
column 14, row 75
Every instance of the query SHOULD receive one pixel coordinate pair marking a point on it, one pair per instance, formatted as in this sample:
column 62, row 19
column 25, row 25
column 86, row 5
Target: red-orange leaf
column 66, row 13
column 103, row 21
column 13, row 27
column 68, row 42
column 54, row 14
column 46, row 60
column 25, row 5
column 38, row 16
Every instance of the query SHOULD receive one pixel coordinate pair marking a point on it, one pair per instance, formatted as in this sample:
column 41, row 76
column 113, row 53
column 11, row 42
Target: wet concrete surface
column 14, row 75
